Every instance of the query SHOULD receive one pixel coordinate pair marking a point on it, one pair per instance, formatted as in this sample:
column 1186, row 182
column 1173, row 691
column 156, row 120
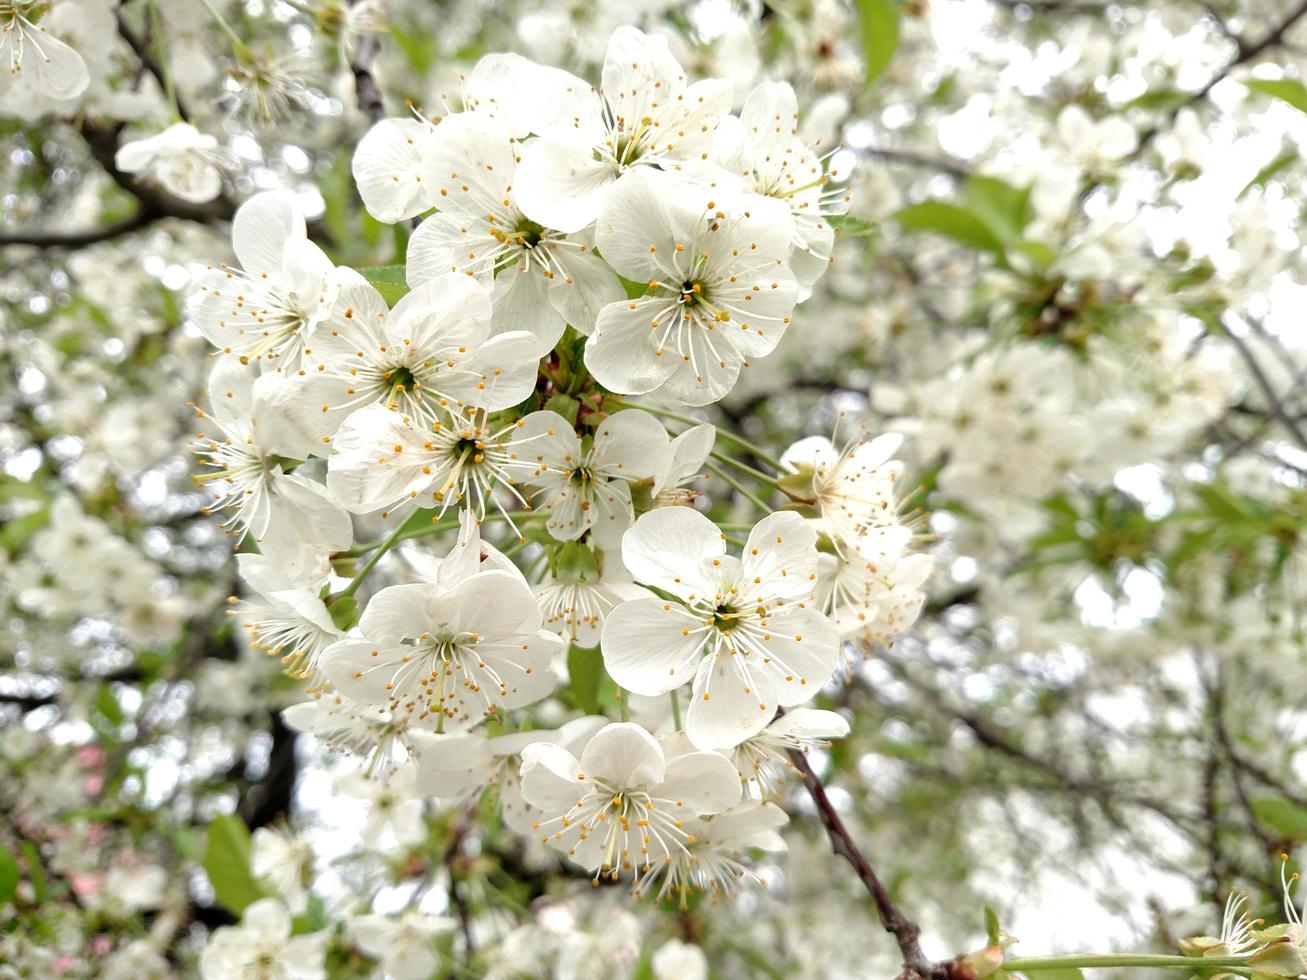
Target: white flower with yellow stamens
column 715, row 860
column 585, row 485
column 720, row 290
column 249, row 465
column 540, row 279
column 455, row 654
column 285, row 618
column 744, row 631
column 623, row 805
column 286, row 286
column 763, row 760
column 645, row 114
column 430, row 357
column 763, row 146
column 854, row 489
column 30, row 53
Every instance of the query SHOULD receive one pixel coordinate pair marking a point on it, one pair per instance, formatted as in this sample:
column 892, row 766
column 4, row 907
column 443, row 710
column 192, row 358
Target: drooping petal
column 726, row 706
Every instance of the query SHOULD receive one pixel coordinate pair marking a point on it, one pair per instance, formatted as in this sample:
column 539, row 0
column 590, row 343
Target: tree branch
column 1264, row 384
column 365, row 85
column 911, row 158
column 905, row 932
column 79, row 239
column 148, row 61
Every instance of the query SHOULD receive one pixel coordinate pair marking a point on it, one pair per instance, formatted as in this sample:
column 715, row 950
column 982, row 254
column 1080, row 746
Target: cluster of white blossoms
column 578, row 247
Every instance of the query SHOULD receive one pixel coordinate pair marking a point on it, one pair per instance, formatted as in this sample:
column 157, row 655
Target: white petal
column 810, row 723
column 668, row 547
column 782, row 552
column 261, row 228
column 583, row 285
column 646, row 648
column 623, row 354
column 560, row 184
column 622, row 755
column 388, row 168
column 705, row 781
column 726, row 707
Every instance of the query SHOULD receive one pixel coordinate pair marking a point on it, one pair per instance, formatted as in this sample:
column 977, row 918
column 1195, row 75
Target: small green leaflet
column 9, row 875
column 227, row 863
column 951, row 221
column 1282, row 815
column 585, row 669
column 848, row 226
column 1288, row 90
column 390, row 281
column 878, row 27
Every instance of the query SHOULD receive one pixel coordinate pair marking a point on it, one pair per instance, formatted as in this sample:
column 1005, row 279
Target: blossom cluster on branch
column 690, row 489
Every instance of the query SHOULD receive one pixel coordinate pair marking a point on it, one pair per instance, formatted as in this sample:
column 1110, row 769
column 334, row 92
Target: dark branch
column 905, row 932
column 79, row 239
column 148, row 61
column 1267, row 389
column 911, row 158
column 365, row 85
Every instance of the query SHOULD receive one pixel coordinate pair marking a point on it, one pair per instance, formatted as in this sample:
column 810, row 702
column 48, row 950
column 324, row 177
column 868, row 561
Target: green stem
column 396, row 536
column 738, row 487
column 1033, row 964
column 624, row 704
column 743, row 467
column 222, row 22
column 757, row 451
column 158, row 36
column 676, row 710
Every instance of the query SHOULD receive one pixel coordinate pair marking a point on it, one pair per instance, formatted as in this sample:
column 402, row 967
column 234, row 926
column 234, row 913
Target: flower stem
column 757, row 451
column 743, row 467
column 396, row 536
column 1033, row 964
column 222, row 22
column 738, row 487
column 676, row 710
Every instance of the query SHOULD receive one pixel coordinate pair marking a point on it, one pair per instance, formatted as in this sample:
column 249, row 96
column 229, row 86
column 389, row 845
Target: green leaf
column 564, row 405
column 34, row 870
column 227, row 863
column 585, row 668
column 1288, row 90
column 344, row 612
column 992, row 931
column 878, row 27
column 1286, row 817
column 951, row 221
column 9, row 875
column 1162, row 98
column 847, row 226
column 108, row 705
column 390, row 281
column 1285, row 160
column 1005, row 209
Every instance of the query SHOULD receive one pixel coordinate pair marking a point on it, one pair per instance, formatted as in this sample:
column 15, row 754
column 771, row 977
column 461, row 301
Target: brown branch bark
column 906, row 933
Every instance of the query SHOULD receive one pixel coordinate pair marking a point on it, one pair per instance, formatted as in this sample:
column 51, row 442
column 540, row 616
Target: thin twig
column 150, row 63
column 905, row 932
column 1267, row 389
